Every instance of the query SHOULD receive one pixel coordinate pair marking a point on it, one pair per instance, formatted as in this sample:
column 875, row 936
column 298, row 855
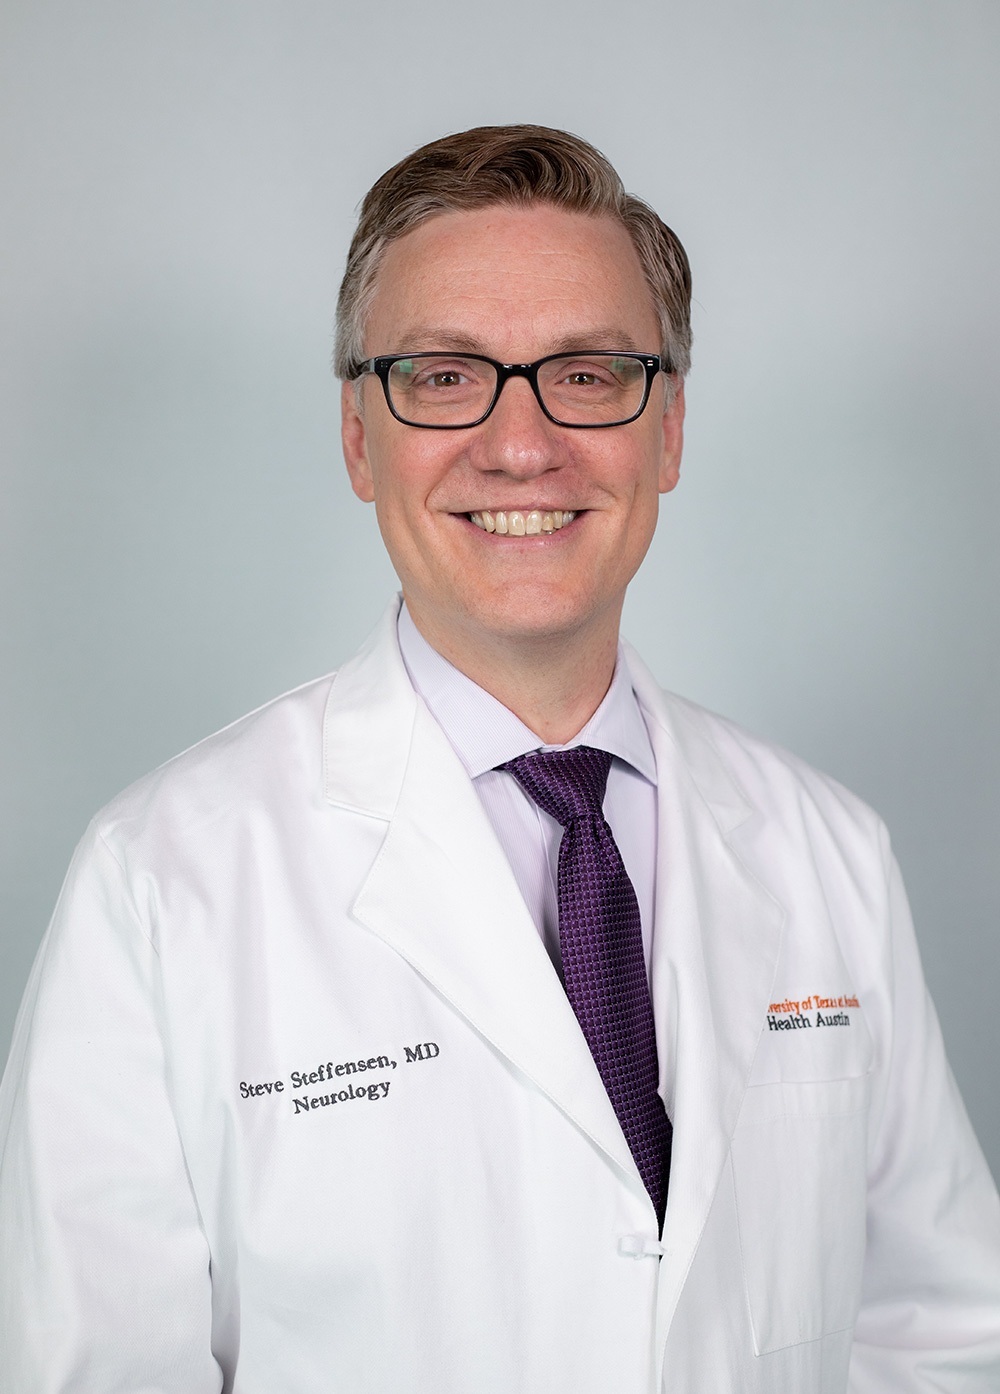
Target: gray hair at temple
column 514, row 166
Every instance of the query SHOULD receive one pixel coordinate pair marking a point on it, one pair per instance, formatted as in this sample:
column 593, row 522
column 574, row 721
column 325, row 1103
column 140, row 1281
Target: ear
column 354, row 439
column 673, row 442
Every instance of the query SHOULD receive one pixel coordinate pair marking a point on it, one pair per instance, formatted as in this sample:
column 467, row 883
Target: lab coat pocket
column 799, row 1168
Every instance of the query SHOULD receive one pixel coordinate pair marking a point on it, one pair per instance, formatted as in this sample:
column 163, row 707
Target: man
column 364, row 1055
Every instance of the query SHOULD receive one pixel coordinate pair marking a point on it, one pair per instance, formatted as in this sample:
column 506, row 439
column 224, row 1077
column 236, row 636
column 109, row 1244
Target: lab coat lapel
column 716, row 942
column 441, row 893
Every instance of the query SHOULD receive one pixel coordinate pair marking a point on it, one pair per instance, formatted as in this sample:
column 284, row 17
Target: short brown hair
column 513, row 165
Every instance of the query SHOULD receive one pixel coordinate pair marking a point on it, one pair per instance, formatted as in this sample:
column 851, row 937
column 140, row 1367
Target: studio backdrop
column 178, row 541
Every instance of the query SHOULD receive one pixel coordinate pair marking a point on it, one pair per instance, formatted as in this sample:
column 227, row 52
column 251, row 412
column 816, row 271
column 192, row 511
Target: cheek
column 644, row 506
column 394, row 485
column 403, row 485
column 642, row 470
column 405, row 463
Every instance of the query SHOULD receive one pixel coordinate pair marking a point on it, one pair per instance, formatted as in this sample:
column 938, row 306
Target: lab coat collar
column 368, row 725
column 682, row 725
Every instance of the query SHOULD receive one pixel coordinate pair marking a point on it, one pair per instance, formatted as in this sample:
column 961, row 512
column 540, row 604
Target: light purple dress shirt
column 484, row 733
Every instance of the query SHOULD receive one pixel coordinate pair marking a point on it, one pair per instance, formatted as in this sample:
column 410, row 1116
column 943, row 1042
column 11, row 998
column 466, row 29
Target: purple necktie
column 600, row 939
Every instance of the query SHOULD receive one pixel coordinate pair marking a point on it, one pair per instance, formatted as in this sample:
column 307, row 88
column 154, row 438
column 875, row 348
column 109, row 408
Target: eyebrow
column 600, row 338
column 426, row 338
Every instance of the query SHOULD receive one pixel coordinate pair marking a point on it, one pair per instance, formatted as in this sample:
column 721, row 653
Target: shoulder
column 767, row 771
column 756, row 780
column 272, row 754
column 266, row 773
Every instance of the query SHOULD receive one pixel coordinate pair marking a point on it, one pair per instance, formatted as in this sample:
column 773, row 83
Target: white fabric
column 317, row 886
column 484, row 733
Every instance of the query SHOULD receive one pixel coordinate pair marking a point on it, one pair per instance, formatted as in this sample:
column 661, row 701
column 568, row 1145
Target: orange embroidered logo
column 807, row 1013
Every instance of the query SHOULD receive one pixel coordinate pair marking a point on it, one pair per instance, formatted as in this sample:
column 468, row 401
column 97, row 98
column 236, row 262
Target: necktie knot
column 567, row 784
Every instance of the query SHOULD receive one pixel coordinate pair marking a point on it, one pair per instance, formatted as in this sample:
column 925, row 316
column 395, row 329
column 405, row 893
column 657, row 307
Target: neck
column 553, row 683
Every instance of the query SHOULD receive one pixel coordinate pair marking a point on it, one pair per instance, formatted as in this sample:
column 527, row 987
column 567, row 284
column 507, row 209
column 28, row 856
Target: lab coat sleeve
column 930, row 1314
column 104, row 1266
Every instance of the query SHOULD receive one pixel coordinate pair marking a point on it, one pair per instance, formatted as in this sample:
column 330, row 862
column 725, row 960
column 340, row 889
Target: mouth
column 516, row 523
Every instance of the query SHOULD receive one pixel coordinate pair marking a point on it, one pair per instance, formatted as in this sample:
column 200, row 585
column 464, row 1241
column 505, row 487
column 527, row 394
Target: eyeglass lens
column 597, row 389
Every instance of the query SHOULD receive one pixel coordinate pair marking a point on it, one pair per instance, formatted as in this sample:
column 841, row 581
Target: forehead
column 512, row 281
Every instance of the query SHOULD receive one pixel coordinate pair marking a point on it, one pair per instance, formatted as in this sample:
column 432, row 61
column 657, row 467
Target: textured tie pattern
column 600, row 939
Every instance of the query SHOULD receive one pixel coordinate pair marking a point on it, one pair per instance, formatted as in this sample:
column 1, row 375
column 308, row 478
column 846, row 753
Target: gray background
column 177, row 538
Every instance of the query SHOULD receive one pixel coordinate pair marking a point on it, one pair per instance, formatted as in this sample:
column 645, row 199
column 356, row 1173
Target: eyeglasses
column 452, row 391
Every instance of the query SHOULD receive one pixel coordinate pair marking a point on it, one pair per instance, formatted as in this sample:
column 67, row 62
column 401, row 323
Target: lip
column 533, row 506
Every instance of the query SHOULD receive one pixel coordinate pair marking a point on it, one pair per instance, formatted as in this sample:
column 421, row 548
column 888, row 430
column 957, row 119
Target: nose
column 517, row 437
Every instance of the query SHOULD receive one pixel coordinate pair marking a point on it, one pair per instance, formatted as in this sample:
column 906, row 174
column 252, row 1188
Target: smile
column 517, row 524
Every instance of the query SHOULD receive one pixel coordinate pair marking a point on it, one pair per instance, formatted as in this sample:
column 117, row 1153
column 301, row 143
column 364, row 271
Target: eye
column 439, row 375
column 586, row 374
column 442, row 377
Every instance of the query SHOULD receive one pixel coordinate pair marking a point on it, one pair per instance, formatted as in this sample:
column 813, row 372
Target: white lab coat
column 199, row 1194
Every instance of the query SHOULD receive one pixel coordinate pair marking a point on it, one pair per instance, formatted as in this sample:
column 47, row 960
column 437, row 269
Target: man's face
column 513, row 284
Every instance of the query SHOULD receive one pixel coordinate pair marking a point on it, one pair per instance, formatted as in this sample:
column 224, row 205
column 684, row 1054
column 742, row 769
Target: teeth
column 518, row 524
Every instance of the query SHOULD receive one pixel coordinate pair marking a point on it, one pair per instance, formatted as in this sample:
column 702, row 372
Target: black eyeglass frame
column 381, row 366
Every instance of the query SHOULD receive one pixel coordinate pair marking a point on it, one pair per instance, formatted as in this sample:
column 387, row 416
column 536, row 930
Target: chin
column 531, row 618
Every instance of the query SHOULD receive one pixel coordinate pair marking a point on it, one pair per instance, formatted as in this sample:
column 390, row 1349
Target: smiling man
column 515, row 538
column 482, row 1018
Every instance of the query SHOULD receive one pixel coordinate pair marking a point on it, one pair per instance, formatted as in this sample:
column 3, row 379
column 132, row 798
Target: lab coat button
column 639, row 1246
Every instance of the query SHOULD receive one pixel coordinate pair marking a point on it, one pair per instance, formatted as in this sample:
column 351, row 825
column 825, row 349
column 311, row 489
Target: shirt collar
column 484, row 733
